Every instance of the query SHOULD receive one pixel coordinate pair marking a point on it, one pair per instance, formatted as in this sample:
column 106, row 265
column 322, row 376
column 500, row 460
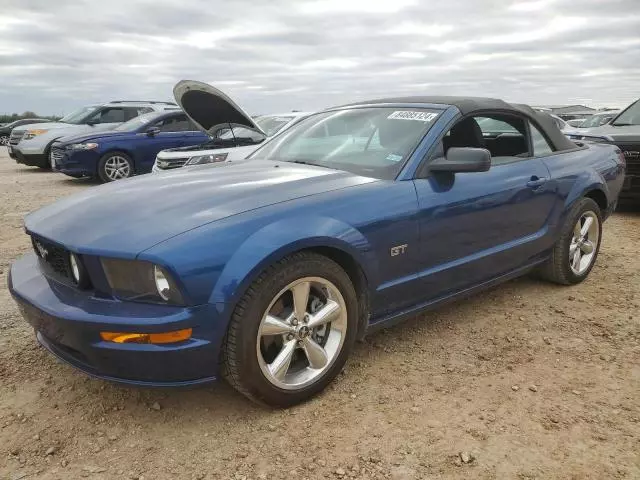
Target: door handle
column 536, row 181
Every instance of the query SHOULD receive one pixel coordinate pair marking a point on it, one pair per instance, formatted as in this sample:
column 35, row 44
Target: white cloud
column 308, row 54
column 354, row 6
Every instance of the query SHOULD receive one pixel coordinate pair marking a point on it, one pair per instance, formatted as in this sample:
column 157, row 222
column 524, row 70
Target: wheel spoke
column 577, row 256
column 316, row 355
column 300, row 299
column 280, row 364
column 274, row 326
column 326, row 314
column 587, row 247
column 572, row 248
column 577, row 232
column 587, row 225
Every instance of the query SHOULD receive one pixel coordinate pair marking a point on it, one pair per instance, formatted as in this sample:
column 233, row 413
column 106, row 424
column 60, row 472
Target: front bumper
column 68, row 323
column 31, row 159
column 78, row 164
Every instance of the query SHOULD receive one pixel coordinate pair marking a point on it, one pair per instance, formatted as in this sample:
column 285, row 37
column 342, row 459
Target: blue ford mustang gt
column 266, row 271
column 129, row 149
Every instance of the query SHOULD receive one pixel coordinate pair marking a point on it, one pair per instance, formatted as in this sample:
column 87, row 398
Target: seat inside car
column 466, row 133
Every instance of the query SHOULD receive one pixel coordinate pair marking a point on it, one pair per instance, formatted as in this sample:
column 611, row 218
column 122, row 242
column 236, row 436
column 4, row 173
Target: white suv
column 30, row 144
column 234, row 134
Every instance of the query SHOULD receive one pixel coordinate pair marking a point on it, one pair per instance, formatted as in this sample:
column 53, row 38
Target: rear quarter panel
column 576, row 173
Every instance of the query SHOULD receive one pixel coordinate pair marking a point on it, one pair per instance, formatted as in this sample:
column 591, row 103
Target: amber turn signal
column 167, row 337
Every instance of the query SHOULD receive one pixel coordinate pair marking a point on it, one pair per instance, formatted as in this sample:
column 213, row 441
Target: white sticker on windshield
column 409, row 115
column 394, row 157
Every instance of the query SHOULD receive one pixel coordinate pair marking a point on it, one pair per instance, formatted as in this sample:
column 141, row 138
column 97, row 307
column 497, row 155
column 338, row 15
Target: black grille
column 168, row 164
column 55, row 156
column 16, row 136
column 631, row 153
column 57, row 258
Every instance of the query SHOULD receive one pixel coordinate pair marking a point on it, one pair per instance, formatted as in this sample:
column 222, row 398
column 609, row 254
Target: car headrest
column 466, row 133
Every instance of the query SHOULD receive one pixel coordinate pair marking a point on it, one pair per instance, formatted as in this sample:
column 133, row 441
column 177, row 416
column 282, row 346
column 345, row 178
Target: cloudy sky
column 277, row 55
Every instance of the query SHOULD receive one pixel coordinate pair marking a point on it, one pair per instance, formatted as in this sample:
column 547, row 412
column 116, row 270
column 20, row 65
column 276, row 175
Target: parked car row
column 624, row 132
column 265, row 271
column 31, row 144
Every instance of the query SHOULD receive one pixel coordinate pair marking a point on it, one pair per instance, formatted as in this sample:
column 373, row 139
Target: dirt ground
column 526, row 381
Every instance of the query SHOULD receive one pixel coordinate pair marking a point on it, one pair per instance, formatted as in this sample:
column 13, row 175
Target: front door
column 475, row 227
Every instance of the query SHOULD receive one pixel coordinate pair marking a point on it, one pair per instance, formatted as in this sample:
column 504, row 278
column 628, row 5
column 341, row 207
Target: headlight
column 75, row 267
column 162, row 283
column 83, row 146
column 141, row 281
column 78, row 273
column 204, row 159
column 33, row 133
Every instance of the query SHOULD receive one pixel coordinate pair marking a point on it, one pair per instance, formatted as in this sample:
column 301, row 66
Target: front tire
column 4, row 140
column 292, row 331
column 575, row 252
column 115, row 166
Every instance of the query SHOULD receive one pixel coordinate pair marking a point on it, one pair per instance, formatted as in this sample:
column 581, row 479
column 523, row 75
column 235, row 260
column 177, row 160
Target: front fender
column 284, row 237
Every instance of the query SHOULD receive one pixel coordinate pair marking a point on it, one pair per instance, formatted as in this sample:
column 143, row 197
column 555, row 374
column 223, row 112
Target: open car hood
column 210, row 109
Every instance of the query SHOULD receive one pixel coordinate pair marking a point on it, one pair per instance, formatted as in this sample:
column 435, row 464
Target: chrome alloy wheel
column 582, row 250
column 4, row 140
column 301, row 333
column 117, row 167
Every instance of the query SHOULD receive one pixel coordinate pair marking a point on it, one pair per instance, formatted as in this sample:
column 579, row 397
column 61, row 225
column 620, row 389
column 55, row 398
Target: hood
column 127, row 217
column 91, row 136
column 42, row 126
column 624, row 133
column 65, row 129
column 209, row 108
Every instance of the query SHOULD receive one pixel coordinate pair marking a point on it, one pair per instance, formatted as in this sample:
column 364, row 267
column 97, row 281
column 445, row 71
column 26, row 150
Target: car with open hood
column 31, row 144
column 127, row 150
column 624, row 132
column 233, row 133
column 265, row 272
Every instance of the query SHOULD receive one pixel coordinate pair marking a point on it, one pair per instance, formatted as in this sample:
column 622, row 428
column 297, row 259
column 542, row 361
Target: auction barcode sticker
column 409, row 115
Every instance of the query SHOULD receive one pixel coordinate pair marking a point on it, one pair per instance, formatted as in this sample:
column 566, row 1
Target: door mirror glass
column 463, row 159
column 153, row 131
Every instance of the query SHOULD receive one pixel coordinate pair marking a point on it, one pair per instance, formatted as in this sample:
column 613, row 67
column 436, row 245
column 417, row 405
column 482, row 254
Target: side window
column 130, row 113
column 174, row 124
column 109, row 115
column 494, row 127
column 505, row 137
column 540, row 145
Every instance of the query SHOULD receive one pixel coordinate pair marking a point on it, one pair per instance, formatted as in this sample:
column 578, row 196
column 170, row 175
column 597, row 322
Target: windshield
column 272, row 125
column 136, row 123
column 631, row 116
column 373, row 141
column 77, row 117
column 597, row 120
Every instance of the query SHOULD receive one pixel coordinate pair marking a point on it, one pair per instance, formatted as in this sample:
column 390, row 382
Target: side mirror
column 153, row 131
column 459, row 160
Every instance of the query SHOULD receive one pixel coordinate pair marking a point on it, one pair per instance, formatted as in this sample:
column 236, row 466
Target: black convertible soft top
column 478, row 105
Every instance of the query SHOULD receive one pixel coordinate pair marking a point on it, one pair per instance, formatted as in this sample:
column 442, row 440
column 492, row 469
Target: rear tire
column 275, row 358
column 115, row 166
column 574, row 253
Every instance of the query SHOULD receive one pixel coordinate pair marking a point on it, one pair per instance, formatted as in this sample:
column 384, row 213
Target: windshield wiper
column 304, row 162
column 621, row 124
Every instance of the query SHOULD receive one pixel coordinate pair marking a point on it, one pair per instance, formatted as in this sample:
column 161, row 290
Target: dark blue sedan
column 266, row 271
column 130, row 149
